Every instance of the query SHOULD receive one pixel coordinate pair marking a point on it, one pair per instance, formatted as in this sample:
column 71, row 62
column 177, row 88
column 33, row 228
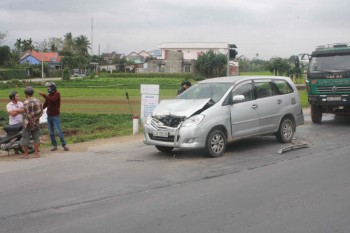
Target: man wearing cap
column 53, row 104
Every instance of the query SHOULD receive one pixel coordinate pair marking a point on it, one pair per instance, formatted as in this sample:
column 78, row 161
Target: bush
column 66, row 74
column 8, row 74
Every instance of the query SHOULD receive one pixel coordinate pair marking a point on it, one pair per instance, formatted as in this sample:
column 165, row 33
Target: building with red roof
column 52, row 59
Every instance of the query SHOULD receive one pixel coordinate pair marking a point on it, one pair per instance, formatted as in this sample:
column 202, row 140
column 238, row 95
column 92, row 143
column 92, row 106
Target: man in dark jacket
column 184, row 86
column 53, row 104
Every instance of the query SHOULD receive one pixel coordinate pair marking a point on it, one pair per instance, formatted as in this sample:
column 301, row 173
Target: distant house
column 139, row 59
column 109, row 59
column 191, row 50
column 156, row 53
column 180, row 57
column 52, row 59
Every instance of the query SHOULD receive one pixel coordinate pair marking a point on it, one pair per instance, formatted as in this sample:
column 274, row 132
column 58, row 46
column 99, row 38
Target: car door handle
column 279, row 101
column 254, row 106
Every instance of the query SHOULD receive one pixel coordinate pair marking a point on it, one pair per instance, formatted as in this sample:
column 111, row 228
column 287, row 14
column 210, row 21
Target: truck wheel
column 316, row 114
column 285, row 131
column 216, row 143
column 165, row 149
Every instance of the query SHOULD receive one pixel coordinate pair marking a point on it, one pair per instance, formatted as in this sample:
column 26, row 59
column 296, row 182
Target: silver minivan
column 216, row 111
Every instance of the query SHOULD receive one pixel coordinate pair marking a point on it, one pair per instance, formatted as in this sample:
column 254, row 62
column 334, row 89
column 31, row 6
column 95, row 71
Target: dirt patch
column 77, row 147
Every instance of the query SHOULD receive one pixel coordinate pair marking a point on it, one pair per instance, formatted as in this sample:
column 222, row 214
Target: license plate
column 163, row 134
column 333, row 98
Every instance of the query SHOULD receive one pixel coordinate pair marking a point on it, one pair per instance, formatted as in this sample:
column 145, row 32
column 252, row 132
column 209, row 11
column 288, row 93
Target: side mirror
column 238, row 98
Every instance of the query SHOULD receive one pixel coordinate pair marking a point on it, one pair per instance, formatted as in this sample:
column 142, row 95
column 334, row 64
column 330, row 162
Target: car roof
column 233, row 79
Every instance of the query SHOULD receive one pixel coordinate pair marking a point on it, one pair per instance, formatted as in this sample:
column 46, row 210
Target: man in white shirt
column 15, row 109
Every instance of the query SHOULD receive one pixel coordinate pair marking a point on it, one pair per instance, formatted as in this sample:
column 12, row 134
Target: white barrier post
column 135, row 124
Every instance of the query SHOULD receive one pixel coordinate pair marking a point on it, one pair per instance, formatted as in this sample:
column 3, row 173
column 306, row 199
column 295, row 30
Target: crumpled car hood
column 179, row 107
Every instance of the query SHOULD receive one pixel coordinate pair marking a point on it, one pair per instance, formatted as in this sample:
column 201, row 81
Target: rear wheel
column 216, row 143
column 30, row 149
column 285, row 131
column 316, row 114
column 165, row 149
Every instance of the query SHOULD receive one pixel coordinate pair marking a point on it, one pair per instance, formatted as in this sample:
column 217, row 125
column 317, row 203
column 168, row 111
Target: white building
column 191, row 50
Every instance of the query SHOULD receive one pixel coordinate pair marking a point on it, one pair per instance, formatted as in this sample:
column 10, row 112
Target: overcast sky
column 269, row 28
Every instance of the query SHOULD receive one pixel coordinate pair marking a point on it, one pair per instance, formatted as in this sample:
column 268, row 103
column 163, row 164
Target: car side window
column 264, row 89
column 283, row 87
column 246, row 90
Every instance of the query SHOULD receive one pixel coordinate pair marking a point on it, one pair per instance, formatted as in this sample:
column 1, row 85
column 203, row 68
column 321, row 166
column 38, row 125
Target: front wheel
column 30, row 149
column 285, row 131
column 316, row 114
column 216, row 143
column 165, row 149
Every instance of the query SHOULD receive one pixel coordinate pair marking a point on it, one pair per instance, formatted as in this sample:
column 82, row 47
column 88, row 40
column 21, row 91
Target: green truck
column 328, row 80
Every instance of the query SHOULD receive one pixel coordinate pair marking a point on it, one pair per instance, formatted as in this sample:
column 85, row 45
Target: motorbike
column 12, row 139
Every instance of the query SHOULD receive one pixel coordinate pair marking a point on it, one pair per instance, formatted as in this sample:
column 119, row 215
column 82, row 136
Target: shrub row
column 13, row 73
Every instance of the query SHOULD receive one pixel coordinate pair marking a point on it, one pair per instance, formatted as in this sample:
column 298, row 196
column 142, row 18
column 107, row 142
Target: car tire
column 285, row 131
column 316, row 114
column 216, row 143
column 165, row 149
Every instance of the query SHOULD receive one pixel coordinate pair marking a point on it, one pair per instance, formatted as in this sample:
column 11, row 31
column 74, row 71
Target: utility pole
column 228, row 59
column 42, row 64
column 92, row 35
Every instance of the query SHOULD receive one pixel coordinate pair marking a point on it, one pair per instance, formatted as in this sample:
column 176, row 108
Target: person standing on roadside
column 53, row 105
column 33, row 109
column 15, row 109
column 184, row 86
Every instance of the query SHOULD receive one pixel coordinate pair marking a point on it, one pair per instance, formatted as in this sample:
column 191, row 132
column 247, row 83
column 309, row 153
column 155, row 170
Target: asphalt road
column 131, row 187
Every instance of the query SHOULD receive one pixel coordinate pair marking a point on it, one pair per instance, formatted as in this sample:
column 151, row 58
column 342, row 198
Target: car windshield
column 215, row 91
column 330, row 63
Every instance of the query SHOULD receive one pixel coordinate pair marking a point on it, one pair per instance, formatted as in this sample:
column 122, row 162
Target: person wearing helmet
column 15, row 109
column 33, row 109
column 53, row 104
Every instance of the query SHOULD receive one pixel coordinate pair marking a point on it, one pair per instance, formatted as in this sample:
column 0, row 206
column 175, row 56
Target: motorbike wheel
column 30, row 149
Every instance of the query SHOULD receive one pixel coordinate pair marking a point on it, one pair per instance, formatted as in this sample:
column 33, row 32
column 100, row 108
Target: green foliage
column 80, row 127
column 278, row 66
column 255, row 65
column 211, row 64
column 24, row 45
column 54, row 73
column 8, row 74
column 263, row 73
column 5, row 56
column 304, row 98
column 66, row 74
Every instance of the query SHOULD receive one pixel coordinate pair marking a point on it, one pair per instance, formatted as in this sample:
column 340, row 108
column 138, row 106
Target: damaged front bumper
column 158, row 133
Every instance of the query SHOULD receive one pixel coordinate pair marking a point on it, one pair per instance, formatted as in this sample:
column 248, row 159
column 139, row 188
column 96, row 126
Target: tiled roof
column 45, row 57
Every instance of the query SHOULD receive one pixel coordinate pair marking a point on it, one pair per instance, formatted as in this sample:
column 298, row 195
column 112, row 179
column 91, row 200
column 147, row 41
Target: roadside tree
column 211, row 64
column 279, row 66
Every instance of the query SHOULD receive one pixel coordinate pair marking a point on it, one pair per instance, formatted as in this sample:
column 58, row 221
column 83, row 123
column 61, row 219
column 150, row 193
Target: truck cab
column 328, row 80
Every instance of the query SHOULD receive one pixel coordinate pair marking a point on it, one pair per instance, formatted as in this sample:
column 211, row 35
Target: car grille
column 167, row 121
column 333, row 89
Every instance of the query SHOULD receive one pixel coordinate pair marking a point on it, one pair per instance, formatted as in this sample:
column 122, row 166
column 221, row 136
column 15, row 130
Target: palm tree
column 18, row 44
column 81, row 45
column 68, row 42
column 27, row 44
